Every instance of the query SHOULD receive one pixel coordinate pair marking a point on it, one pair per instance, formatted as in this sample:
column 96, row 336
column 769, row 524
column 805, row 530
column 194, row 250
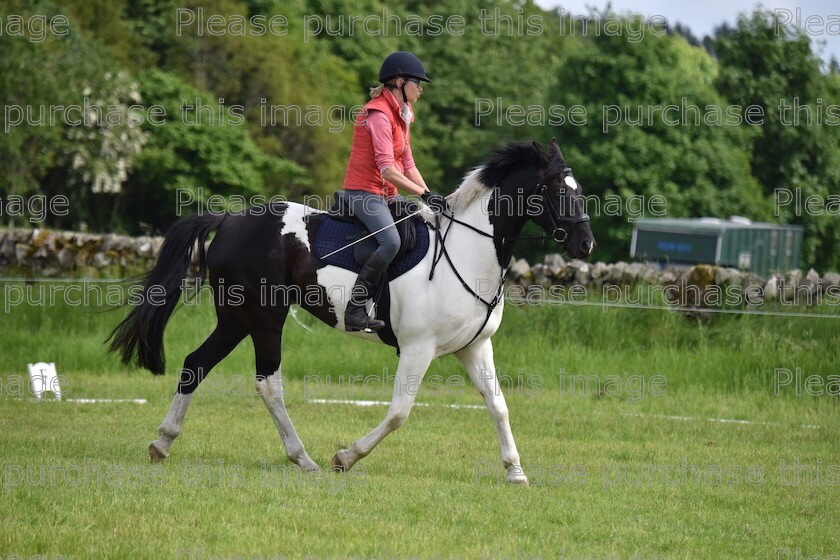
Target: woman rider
column 380, row 163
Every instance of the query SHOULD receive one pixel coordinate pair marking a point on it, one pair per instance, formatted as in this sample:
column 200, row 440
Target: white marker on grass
column 43, row 378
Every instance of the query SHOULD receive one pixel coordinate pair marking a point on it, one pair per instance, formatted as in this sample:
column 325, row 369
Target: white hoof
column 516, row 475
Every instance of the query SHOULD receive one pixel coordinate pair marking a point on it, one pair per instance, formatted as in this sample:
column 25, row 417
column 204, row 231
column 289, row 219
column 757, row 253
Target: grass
column 614, row 473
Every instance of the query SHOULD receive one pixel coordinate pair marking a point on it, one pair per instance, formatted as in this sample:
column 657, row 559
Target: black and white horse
column 456, row 310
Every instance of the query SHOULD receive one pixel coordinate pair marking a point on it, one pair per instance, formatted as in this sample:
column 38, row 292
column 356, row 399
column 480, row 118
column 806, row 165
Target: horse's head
column 557, row 204
column 535, row 183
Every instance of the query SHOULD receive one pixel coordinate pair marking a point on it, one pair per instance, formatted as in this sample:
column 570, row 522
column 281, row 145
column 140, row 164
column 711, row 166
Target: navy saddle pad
column 336, row 234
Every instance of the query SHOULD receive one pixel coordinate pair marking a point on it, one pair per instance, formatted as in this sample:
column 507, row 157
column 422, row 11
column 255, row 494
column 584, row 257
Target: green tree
column 773, row 65
column 40, row 77
column 628, row 149
column 294, row 92
column 119, row 175
column 106, row 22
column 194, row 154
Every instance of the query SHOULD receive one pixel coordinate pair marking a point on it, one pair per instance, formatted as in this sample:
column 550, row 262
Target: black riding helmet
column 405, row 64
column 402, row 63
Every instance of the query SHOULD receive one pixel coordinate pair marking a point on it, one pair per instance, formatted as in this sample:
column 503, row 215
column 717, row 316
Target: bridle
column 560, row 223
column 560, row 234
column 558, row 220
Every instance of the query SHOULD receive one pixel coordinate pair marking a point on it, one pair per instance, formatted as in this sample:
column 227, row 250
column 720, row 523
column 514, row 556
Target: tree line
column 137, row 102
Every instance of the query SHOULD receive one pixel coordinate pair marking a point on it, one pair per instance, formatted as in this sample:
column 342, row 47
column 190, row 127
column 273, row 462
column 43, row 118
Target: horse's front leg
column 410, row 372
column 478, row 359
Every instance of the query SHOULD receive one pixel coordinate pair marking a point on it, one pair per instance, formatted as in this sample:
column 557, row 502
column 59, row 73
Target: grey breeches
column 372, row 210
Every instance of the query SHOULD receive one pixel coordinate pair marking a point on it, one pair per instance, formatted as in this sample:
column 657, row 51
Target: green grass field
column 630, row 462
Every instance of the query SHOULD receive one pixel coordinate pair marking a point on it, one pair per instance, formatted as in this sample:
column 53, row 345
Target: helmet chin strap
column 401, row 88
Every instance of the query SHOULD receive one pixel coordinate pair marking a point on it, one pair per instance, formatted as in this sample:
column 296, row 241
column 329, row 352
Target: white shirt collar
column 406, row 114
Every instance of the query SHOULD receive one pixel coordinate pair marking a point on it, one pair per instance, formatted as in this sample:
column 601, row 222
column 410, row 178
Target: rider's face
column 413, row 89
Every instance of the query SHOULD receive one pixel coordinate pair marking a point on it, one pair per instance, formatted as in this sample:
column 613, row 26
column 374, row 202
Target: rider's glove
column 435, row 201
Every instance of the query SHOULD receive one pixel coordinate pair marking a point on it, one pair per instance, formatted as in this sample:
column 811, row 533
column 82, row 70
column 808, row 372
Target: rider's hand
column 435, row 201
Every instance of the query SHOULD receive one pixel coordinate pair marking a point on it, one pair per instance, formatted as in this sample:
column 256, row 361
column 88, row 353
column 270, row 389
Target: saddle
column 338, row 229
column 399, row 207
column 339, row 233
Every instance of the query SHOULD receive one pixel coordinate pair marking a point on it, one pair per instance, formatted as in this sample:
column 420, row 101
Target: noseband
column 561, row 224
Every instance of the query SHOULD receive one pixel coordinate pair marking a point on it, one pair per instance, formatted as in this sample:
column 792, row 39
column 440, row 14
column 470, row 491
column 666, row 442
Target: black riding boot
column 356, row 317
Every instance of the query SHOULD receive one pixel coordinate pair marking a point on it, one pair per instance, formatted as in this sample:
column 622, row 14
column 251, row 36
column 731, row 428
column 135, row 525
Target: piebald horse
column 450, row 303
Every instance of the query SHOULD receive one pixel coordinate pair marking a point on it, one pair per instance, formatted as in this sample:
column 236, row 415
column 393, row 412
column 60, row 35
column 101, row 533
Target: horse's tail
column 140, row 334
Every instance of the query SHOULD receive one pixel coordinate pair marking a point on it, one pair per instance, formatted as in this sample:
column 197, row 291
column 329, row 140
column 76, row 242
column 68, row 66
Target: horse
column 450, row 303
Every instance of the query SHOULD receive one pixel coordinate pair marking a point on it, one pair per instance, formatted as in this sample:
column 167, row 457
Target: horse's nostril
column 587, row 246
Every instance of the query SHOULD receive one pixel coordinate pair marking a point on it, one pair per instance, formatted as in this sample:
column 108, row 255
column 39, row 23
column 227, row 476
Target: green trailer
column 756, row 247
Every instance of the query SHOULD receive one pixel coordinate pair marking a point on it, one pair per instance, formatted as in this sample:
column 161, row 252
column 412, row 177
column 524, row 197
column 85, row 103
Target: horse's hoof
column 516, row 476
column 336, row 464
column 155, row 454
column 309, row 466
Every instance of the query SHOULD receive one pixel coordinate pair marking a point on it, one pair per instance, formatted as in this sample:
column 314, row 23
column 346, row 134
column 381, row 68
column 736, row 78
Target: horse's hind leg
column 270, row 387
column 197, row 365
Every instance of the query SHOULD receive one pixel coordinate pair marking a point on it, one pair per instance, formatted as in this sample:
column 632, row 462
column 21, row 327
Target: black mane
column 514, row 156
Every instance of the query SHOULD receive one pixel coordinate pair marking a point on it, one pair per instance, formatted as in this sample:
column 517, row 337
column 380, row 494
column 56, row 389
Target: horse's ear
column 538, row 149
column 554, row 149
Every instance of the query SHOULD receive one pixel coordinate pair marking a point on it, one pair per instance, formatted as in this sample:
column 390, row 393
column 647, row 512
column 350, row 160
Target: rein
column 559, row 222
column 440, row 241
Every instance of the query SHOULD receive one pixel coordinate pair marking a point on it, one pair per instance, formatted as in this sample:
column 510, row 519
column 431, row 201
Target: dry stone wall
column 45, row 253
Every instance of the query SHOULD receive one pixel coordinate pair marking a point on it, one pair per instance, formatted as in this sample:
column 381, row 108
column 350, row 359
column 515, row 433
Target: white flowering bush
column 107, row 141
